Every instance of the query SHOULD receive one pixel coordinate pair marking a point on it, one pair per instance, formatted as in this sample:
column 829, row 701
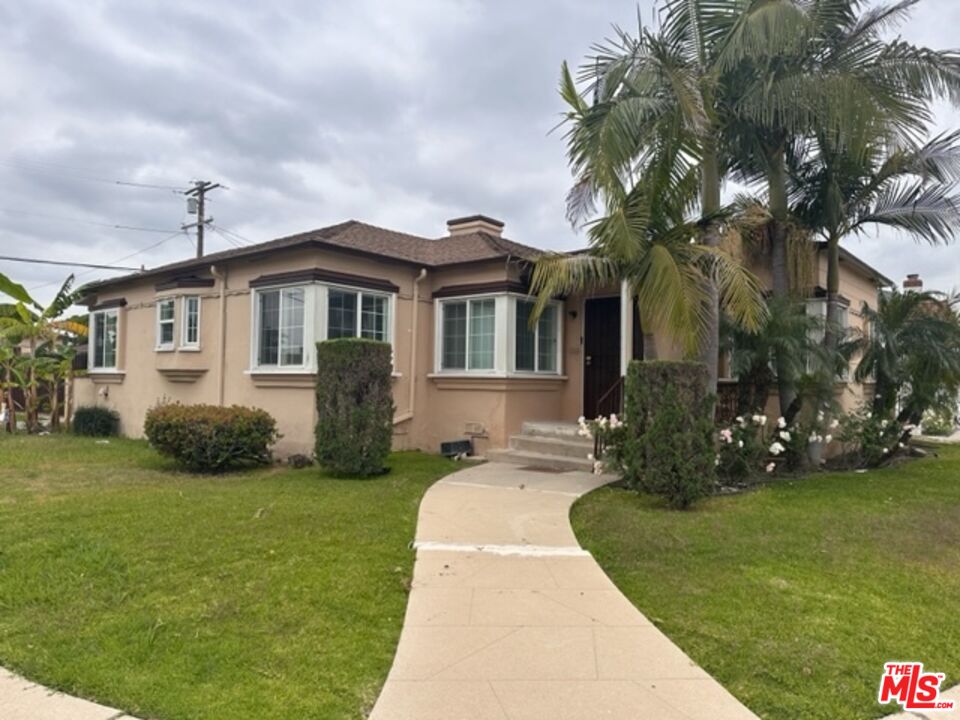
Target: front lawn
column 272, row 593
column 793, row 596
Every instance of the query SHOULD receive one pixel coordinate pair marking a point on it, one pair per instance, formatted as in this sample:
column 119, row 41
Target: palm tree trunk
column 831, row 336
column 777, row 191
column 710, row 204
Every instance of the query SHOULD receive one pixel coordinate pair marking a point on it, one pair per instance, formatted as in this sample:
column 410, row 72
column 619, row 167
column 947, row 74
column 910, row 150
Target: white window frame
column 185, row 342
column 512, row 339
column 97, row 317
column 818, row 307
column 172, row 322
column 359, row 292
column 309, row 302
column 316, row 301
column 499, row 347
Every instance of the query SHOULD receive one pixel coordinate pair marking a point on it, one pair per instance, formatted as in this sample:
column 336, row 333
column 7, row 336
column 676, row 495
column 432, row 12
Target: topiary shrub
column 210, row 438
column 668, row 448
column 354, row 406
column 95, row 421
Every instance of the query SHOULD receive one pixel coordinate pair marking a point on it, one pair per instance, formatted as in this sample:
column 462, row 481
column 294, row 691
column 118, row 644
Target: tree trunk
column 31, row 394
column 831, row 336
column 779, row 209
column 55, row 404
column 710, row 204
column 68, row 400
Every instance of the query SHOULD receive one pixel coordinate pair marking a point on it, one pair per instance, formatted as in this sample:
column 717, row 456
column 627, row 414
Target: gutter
column 222, row 342
column 414, row 341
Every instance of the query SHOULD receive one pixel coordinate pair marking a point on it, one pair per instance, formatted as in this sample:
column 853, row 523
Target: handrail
column 617, row 387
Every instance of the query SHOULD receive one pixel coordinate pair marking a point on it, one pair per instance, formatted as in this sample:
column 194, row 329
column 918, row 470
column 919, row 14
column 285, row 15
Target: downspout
column 222, row 342
column 414, row 340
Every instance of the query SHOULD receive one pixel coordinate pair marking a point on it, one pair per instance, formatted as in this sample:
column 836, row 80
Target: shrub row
column 95, row 421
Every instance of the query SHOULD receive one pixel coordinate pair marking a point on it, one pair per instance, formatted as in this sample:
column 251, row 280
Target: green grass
column 272, row 593
column 794, row 595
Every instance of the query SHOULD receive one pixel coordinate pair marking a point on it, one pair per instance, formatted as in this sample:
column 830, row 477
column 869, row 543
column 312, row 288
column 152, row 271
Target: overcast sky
column 401, row 114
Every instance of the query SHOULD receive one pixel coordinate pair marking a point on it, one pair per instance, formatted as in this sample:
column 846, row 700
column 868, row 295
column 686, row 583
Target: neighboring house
column 240, row 327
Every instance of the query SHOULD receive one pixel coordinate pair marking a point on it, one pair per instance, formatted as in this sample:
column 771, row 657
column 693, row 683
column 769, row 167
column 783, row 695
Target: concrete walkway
column 509, row 619
column 23, row 700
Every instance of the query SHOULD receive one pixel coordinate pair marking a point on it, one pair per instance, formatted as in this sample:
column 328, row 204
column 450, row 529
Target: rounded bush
column 210, row 438
column 354, row 406
column 95, row 421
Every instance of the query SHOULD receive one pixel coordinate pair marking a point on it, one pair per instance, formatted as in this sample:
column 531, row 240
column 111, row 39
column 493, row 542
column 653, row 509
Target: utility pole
column 197, row 194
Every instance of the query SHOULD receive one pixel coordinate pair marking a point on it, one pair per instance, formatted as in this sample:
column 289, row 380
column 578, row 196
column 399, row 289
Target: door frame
column 583, row 342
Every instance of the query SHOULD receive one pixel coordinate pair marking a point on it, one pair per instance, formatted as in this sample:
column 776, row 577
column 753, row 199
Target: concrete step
column 577, row 447
column 552, row 429
column 540, row 460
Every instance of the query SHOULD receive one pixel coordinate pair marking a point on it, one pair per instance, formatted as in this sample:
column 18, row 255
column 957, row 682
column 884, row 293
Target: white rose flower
column 784, row 435
column 782, row 423
column 776, row 449
column 771, row 467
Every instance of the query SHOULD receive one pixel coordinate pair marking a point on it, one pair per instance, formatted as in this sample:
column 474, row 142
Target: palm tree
column 652, row 132
column 842, row 191
column 830, row 74
column 911, row 352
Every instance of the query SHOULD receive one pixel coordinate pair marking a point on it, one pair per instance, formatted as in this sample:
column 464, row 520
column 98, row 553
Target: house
column 240, row 327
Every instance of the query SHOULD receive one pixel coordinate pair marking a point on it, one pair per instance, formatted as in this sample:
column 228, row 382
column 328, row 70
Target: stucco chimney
column 475, row 223
column 913, row 283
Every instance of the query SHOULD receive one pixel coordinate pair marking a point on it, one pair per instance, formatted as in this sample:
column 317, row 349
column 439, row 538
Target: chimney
column 913, row 283
column 474, row 223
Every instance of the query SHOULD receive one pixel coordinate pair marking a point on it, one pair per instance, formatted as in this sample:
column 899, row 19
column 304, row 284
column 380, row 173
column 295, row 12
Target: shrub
column 669, row 448
column 210, row 438
column 354, row 406
column 938, row 422
column 870, row 439
column 742, row 448
column 95, row 421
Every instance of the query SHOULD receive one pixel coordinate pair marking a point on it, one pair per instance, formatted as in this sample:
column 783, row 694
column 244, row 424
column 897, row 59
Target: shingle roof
column 360, row 237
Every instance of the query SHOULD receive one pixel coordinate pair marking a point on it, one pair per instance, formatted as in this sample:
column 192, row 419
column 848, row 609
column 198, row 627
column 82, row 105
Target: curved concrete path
column 509, row 619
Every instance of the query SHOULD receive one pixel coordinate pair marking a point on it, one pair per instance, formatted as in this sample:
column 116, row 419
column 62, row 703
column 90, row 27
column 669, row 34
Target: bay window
column 103, row 330
column 494, row 336
column 165, row 321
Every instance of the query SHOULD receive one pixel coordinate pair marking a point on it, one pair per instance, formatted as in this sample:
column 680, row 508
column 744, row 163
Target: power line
column 198, row 194
column 20, row 165
column 41, row 261
column 226, row 237
column 120, row 260
column 85, row 222
column 221, row 229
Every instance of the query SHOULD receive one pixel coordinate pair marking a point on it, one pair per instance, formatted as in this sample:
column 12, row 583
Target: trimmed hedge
column 669, row 449
column 354, row 406
column 95, row 421
column 210, row 438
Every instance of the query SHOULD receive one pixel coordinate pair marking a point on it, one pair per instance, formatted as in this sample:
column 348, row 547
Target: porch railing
column 612, row 400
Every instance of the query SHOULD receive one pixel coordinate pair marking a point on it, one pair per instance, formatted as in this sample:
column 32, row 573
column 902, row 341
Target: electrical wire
column 112, row 226
column 226, row 237
column 238, row 236
column 120, row 260
column 81, row 175
column 41, row 261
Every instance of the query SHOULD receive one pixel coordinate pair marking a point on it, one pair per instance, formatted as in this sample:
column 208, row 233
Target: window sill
column 189, row 348
column 283, row 378
column 102, row 376
column 166, row 349
column 455, row 374
column 497, row 383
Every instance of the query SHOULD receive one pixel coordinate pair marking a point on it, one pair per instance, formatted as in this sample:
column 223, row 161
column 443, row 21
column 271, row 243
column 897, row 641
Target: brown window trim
column 325, row 276
column 500, row 286
column 191, row 281
column 109, row 304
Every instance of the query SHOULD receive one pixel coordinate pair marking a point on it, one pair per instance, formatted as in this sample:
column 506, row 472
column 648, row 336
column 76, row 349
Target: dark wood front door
column 601, row 354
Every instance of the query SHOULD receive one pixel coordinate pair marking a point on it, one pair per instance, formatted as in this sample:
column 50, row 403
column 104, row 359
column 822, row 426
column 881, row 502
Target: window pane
column 373, row 317
column 166, row 332
column 192, row 321
column 547, row 349
column 291, row 327
column 99, row 335
column 454, row 354
column 166, row 310
column 526, row 339
column 110, row 340
column 269, row 345
column 341, row 314
column 482, row 319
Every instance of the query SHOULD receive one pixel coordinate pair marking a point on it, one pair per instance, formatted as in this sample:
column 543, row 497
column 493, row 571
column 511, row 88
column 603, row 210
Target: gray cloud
column 401, row 114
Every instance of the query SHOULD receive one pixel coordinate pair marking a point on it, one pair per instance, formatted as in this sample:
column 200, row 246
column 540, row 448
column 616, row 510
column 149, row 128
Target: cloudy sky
column 402, row 114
